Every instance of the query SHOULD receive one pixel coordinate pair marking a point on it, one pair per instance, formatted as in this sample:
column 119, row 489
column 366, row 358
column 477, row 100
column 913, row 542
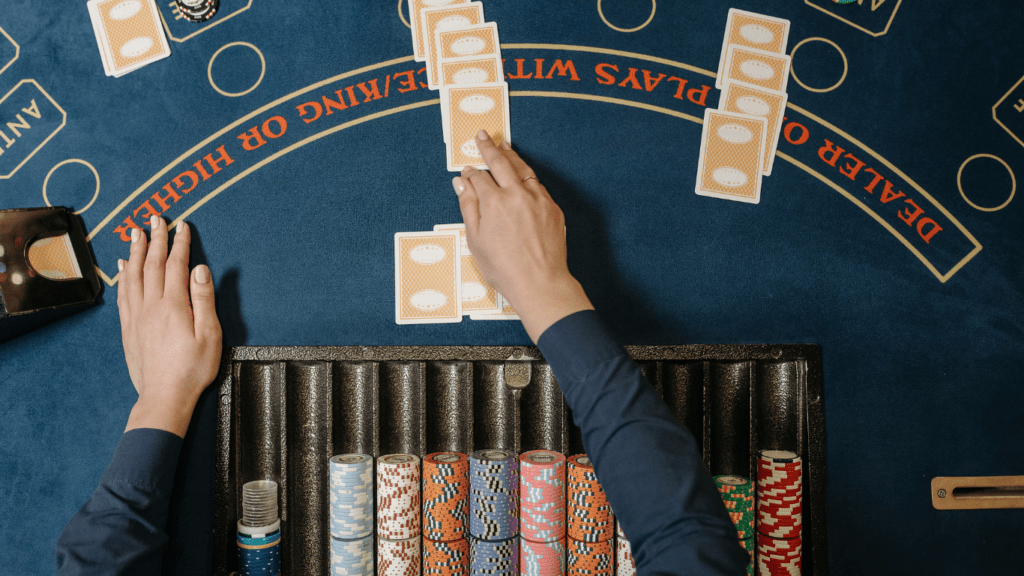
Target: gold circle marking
column 263, row 69
column 792, row 68
column 95, row 194
column 1013, row 179
column 654, row 8
column 402, row 15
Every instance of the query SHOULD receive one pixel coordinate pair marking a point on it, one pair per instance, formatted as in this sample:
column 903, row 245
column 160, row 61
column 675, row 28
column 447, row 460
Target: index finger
column 501, row 168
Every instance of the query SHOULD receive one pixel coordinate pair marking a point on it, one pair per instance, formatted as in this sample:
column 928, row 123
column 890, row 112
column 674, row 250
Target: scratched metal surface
column 284, row 411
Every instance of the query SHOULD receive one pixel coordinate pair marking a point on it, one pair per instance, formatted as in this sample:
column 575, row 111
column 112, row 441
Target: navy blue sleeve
column 647, row 462
column 120, row 530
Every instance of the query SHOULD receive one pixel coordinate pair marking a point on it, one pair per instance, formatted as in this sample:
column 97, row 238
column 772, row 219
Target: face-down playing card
column 754, row 101
column 471, row 70
column 428, row 277
column 466, row 111
column 731, row 156
column 752, row 30
column 419, row 42
column 444, row 19
column 129, row 34
column 477, row 295
column 758, row 67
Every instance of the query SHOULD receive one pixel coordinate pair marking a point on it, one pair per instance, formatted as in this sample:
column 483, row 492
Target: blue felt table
column 921, row 333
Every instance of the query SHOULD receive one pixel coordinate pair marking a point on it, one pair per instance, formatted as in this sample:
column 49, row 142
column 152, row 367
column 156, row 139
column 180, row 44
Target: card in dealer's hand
column 419, row 42
column 468, row 109
column 757, row 67
column 446, row 18
column 746, row 98
column 477, row 295
column 129, row 34
column 731, row 156
column 752, row 30
column 428, row 277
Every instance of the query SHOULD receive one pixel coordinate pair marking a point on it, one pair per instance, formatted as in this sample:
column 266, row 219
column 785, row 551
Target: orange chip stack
column 445, row 558
column 589, row 558
column 445, row 496
column 590, row 517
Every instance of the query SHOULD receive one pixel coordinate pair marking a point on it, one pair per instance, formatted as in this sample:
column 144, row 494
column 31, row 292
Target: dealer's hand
column 172, row 338
column 516, row 233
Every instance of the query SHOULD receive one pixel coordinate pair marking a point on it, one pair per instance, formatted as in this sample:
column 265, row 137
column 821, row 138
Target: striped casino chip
column 737, row 494
column 445, row 558
column 541, row 558
column 542, row 496
column 398, row 557
column 493, row 495
column 750, row 544
column 779, row 494
column 777, row 556
column 398, row 496
column 445, row 496
column 351, row 495
column 488, row 557
column 589, row 516
column 624, row 563
column 589, row 558
column 352, row 557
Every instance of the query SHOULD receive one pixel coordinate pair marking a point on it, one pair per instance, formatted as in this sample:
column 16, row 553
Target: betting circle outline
column 792, row 66
column 1013, row 179
column 95, row 194
column 263, row 69
column 654, row 8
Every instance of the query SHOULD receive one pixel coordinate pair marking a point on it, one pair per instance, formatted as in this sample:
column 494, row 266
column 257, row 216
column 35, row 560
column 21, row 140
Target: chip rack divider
column 380, row 400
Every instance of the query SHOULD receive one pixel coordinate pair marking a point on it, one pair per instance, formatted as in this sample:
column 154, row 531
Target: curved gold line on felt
column 654, row 8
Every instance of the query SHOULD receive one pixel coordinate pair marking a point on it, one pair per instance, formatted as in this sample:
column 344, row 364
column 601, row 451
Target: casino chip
column 624, row 563
column 542, row 496
column 779, row 512
column 197, row 10
column 738, row 495
column 445, row 496
column 590, row 517
column 351, row 485
column 488, row 558
column 352, row 557
column 494, row 495
column 398, row 497
column 445, row 558
column 398, row 557
column 541, row 558
column 589, row 558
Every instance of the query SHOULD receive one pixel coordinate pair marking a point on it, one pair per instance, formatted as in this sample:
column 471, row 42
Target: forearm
column 170, row 413
column 542, row 304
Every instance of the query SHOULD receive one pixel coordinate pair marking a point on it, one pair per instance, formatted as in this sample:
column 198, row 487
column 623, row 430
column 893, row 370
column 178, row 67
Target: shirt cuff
column 145, row 456
column 577, row 343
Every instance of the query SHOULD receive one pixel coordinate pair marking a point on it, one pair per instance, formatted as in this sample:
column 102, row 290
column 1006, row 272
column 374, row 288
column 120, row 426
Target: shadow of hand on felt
column 591, row 263
column 229, row 308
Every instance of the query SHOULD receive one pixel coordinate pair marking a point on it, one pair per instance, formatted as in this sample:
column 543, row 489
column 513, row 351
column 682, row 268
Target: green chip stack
column 738, row 495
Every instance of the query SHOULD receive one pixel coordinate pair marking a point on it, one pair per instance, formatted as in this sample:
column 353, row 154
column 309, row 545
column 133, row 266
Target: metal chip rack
column 284, row 411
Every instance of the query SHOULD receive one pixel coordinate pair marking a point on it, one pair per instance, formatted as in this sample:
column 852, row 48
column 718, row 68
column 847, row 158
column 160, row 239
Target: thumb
column 469, row 204
column 203, row 306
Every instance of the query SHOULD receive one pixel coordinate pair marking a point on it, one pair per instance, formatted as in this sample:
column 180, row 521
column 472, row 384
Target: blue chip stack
column 493, row 495
column 351, row 496
column 352, row 557
column 489, row 557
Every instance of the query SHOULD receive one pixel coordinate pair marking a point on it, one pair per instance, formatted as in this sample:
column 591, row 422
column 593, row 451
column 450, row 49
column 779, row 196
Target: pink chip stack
column 542, row 496
column 779, row 512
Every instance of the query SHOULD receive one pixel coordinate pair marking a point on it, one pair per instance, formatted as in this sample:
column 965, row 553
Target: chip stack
column 737, row 493
column 197, row 11
column 494, row 491
column 590, row 517
column 542, row 558
column 351, row 482
column 624, row 563
column 779, row 512
column 398, row 557
column 446, row 558
column 352, row 557
column 445, row 496
column 542, row 496
column 398, row 496
column 590, row 558
column 489, row 558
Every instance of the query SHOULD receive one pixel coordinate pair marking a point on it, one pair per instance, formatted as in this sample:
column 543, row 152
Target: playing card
column 758, row 67
column 419, row 42
column 428, row 277
column 477, row 294
column 130, row 34
column 731, row 156
column 443, row 19
column 752, row 30
column 94, row 17
column 54, row 258
column 467, row 110
column 507, row 313
column 471, row 70
column 749, row 99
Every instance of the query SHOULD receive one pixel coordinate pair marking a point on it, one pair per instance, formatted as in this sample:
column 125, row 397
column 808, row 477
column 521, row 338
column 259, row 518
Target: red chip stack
column 779, row 512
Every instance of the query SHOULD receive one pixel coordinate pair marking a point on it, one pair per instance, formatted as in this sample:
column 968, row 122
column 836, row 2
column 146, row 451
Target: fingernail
column 179, row 227
column 482, row 135
column 458, row 185
column 153, row 220
column 504, row 145
column 135, row 235
column 202, row 274
column 120, row 265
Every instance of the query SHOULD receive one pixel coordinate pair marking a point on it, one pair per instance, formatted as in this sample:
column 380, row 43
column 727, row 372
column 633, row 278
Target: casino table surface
column 888, row 233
